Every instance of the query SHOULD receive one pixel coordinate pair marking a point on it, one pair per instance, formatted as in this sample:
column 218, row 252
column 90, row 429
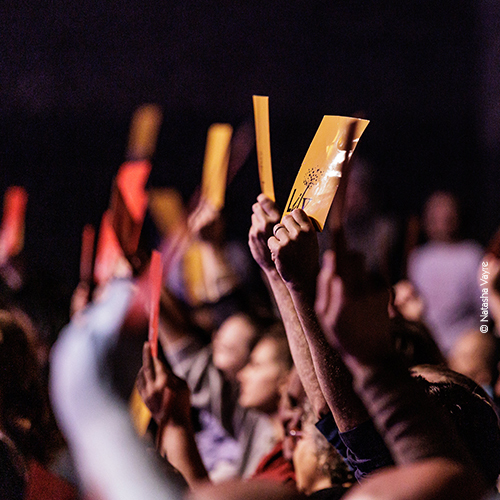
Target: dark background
column 425, row 73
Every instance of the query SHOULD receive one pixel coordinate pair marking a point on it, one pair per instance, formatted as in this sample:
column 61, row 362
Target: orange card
column 213, row 185
column 155, row 282
column 318, row 178
column 263, row 140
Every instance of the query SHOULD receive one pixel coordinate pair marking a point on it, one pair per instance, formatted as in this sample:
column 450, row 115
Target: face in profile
column 262, row 379
column 306, row 460
column 232, row 344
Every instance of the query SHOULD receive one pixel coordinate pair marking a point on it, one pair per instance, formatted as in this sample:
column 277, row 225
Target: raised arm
column 168, row 398
column 431, row 462
column 265, row 216
column 294, row 250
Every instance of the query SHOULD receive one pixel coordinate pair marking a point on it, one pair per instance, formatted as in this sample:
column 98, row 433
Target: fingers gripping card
column 319, row 175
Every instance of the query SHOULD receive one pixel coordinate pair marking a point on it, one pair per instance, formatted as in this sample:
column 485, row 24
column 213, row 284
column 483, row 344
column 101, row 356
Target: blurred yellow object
column 213, row 185
column 139, row 413
column 263, row 140
column 144, row 128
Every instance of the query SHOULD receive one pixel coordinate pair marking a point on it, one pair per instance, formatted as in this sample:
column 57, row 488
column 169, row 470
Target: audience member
column 321, row 472
column 444, row 272
column 432, row 462
column 27, row 435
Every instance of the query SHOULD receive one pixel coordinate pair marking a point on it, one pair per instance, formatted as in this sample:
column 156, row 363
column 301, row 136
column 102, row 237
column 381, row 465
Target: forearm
column 412, row 427
column 333, row 377
column 177, row 444
column 297, row 341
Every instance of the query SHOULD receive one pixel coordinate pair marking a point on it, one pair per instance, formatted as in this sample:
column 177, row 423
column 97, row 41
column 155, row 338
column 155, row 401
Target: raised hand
column 294, row 250
column 353, row 313
column 166, row 395
column 265, row 216
column 203, row 220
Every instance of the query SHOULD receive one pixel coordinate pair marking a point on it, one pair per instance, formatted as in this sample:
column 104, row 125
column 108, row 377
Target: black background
column 72, row 73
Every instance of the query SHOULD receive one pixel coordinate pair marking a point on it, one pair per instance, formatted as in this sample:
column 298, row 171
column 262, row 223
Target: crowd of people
column 324, row 366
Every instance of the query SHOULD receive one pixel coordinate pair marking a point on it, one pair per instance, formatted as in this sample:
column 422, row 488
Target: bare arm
column 432, row 463
column 168, row 399
column 294, row 249
column 265, row 215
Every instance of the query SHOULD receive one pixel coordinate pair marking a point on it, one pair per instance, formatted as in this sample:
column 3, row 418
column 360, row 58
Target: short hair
column 474, row 416
column 414, row 342
column 24, row 407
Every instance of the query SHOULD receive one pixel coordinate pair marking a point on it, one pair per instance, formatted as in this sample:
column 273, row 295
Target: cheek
column 305, row 464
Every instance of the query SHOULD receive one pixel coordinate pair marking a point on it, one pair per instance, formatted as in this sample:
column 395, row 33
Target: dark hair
column 24, row 410
column 474, row 416
column 414, row 342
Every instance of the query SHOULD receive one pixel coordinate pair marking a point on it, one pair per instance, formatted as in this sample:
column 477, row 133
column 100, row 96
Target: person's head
column 233, row 342
column 441, row 217
column 470, row 409
column 358, row 199
column 414, row 342
column 474, row 354
column 265, row 375
column 317, row 464
column 23, row 407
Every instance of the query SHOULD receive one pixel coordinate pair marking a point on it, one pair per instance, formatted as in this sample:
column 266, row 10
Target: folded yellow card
column 213, row 185
column 263, row 140
column 319, row 175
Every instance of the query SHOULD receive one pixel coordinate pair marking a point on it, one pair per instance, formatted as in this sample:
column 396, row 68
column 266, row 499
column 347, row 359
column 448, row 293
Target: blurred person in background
column 444, row 272
column 29, row 438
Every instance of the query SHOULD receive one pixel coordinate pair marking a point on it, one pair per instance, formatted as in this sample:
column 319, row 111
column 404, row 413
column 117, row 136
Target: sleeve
column 362, row 448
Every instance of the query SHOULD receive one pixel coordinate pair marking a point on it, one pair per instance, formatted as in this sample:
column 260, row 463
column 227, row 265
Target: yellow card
column 263, row 140
column 213, row 185
column 167, row 210
column 144, row 129
column 139, row 413
column 319, row 175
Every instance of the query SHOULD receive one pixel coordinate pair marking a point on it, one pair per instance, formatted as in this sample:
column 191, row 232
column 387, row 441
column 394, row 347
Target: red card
column 87, row 254
column 13, row 221
column 155, row 282
column 129, row 203
column 108, row 253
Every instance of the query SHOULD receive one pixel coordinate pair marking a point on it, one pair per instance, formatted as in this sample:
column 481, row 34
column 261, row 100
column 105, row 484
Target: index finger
column 268, row 206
